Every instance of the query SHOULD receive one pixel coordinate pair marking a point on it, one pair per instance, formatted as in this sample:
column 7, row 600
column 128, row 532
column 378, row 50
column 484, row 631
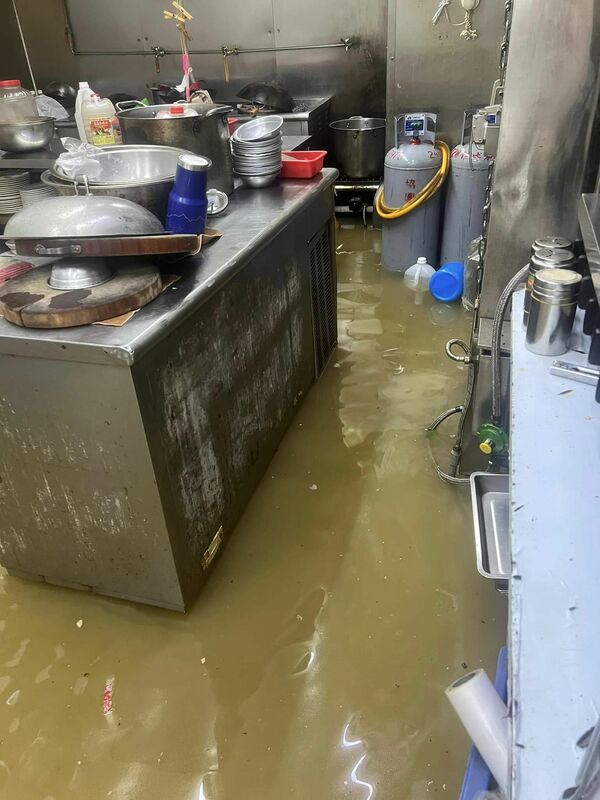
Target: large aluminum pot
column 152, row 196
column 359, row 144
column 206, row 134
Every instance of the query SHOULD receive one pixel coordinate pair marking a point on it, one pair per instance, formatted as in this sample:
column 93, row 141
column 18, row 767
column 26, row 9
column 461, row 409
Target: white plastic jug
column 417, row 278
column 84, row 93
column 100, row 122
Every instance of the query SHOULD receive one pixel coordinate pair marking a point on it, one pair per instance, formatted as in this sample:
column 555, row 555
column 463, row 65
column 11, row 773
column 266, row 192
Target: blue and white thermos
column 187, row 205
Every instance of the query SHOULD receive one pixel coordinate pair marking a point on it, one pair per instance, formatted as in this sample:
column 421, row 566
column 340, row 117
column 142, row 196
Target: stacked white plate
column 256, row 148
column 36, row 192
column 11, row 183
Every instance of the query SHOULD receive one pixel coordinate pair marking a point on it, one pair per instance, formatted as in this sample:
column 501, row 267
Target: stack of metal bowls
column 256, row 148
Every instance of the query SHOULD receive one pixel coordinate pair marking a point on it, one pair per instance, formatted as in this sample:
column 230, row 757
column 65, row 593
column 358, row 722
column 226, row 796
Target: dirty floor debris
column 313, row 664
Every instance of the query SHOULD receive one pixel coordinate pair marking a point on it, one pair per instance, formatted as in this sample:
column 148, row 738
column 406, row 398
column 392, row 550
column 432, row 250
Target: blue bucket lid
column 447, row 283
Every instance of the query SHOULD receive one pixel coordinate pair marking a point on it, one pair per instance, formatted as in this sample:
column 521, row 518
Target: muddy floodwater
column 313, row 664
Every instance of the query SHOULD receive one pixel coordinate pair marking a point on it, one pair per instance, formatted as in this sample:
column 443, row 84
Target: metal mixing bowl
column 129, row 164
column 22, row 137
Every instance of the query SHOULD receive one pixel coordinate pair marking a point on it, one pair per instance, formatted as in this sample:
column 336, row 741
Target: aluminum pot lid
column 82, row 216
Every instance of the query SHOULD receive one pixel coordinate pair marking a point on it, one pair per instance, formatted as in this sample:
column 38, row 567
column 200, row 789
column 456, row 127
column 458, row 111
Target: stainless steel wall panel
column 431, row 69
column 426, row 66
column 550, row 103
column 357, row 78
column 111, row 24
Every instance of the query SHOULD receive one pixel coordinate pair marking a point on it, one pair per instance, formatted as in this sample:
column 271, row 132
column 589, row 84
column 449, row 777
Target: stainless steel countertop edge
column 265, row 211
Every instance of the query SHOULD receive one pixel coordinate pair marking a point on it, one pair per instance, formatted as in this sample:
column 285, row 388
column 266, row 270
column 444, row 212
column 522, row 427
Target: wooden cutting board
column 30, row 302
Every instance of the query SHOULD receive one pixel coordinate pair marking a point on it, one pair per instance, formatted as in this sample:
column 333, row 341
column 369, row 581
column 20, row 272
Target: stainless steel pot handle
column 65, row 250
column 124, row 104
column 86, row 185
column 218, row 110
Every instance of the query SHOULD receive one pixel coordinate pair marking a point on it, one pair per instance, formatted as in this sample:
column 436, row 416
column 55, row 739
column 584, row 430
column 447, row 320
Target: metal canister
column 553, row 305
column 551, row 243
column 544, row 258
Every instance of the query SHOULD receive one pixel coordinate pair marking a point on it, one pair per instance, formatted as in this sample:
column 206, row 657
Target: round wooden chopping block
column 29, row 301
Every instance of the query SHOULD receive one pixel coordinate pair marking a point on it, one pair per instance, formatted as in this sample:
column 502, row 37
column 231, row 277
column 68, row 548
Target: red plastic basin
column 306, row 163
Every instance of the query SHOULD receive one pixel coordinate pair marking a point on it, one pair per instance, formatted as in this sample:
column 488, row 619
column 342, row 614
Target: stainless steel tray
column 491, row 520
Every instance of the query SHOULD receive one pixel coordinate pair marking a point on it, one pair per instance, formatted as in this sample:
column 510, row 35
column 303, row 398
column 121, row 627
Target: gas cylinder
column 408, row 168
column 465, row 199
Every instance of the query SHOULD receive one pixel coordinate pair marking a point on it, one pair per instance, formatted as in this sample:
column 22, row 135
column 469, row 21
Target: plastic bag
column 489, row 796
column 48, row 107
column 78, row 160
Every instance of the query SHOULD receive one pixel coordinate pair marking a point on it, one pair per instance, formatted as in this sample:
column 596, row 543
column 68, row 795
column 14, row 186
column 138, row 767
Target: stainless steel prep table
column 127, row 454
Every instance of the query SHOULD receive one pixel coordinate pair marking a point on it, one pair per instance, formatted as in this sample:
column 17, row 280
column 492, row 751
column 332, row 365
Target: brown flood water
column 314, row 662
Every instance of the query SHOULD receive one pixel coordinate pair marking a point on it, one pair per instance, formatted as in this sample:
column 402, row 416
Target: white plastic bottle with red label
column 96, row 119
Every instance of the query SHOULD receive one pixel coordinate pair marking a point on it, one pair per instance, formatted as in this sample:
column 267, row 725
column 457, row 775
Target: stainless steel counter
column 127, row 454
column 554, row 635
column 252, row 218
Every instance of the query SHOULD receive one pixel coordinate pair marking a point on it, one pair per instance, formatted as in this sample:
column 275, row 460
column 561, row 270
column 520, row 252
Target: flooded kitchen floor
column 314, row 662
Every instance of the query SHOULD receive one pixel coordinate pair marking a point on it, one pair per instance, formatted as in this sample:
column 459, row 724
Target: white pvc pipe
column 485, row 717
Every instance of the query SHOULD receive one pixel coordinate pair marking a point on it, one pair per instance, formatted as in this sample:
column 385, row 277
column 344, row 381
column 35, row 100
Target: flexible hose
column 387, row 212
column 443, row 416
column 465, row 407
column 497, row 341
column 445, row 476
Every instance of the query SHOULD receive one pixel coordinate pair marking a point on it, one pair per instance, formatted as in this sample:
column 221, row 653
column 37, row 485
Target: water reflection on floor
column 313, row 664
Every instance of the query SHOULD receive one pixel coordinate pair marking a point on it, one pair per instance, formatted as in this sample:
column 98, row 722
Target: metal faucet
column 159, row 52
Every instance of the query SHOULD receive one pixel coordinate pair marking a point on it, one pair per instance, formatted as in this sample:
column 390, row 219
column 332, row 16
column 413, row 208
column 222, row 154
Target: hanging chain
column 508, row 9
column 502, row 63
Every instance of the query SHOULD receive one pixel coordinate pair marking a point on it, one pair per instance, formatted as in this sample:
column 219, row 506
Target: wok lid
column 82, row 215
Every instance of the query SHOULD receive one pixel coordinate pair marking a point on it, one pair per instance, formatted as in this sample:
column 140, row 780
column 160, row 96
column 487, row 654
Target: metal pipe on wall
column 29, row 67
column 158, row 52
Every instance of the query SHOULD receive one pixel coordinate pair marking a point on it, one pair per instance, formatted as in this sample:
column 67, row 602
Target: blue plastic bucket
column 447, row 283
